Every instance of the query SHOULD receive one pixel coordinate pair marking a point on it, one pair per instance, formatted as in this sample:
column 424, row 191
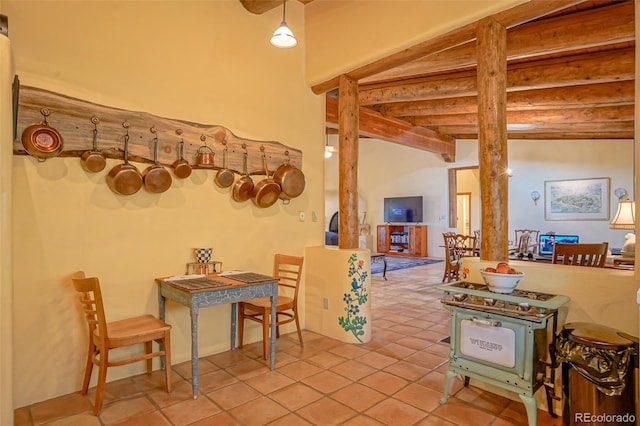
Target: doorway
column 463, row 209
column 464, row 180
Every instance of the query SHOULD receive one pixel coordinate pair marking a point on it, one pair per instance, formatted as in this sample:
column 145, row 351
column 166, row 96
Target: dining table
column 198, row 291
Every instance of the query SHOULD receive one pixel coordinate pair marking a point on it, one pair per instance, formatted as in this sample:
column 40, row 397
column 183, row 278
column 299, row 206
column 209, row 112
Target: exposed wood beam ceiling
column 571, row 71
column 261, row 6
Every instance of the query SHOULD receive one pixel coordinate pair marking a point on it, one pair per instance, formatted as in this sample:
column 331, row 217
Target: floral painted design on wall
column 357, row 296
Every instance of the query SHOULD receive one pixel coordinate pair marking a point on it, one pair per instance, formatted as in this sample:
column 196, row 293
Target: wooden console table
column 213, row 290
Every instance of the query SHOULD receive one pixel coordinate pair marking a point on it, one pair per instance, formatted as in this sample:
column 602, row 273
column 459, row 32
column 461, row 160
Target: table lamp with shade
column 625, row 218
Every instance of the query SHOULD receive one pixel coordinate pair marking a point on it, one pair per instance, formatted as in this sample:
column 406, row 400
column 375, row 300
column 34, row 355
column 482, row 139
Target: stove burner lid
column 531, row 295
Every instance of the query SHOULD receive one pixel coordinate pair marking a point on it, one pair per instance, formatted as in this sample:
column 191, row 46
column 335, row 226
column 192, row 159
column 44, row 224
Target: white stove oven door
column 488, row 341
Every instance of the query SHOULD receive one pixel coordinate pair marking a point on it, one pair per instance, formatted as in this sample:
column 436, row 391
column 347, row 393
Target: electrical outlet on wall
column 301, row 215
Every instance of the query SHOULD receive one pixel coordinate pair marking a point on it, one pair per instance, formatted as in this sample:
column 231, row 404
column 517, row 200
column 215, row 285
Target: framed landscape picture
column 576, row 199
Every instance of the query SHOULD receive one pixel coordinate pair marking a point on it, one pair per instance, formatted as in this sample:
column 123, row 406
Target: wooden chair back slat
column 594, row 255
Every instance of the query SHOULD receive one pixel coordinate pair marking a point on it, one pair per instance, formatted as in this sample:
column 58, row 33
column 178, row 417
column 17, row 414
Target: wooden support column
column 492, row 138
column 348, row 124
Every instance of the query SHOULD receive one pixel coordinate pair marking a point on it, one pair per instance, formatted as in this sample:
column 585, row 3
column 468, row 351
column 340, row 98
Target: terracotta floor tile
column 184, row 368
column 435, row 381
column 432, row 335
column 419, row 396
column 247, row 369
column 407, row 370
column 260, row 411
column 117, row 390
column 290, row 419
column 433, row 420
column 326, row 412
column 125, row 409
column 228, row 358
column 295, row 396
column 326, row 360
column 376, row 360
column 396, row 351
column 394, row 412
column 349, row 351
column 414, row 342
column 180, row 392
column 269, row 382
column 485, row 401
column 215, row 380
column 362, row 420
column 461, row 413
column 299, row 370
column 358, row 397
column 187, row 412
column 57, row 408
column 353, row 370
column 405, row 329
column 326, row 381
column 384, row 382
column 154, row 418
column 233, row 395
column 442, row 349
column 79, row 420
column 426, row 359
column 220, row 419
column 156, row 380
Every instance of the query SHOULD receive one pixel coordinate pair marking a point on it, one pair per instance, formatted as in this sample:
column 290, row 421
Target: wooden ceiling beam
column 602, row 67
column 603, row 135
column 610, row 25
column 261, row 6
column 541, row 116
column 510, row 17
column 584, row 96
column 544, row 128
column 375, row 125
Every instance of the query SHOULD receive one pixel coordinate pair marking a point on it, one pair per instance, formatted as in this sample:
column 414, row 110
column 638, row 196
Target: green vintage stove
column 505, row 340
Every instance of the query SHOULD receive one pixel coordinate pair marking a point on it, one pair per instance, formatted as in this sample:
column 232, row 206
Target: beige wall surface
column 205, row 62
column 346, row 34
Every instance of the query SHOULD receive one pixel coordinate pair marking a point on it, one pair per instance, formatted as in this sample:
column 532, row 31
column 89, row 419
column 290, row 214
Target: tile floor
column 395, row 379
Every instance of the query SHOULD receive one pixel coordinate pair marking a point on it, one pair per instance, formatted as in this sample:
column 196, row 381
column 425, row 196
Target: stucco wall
column 205, row 62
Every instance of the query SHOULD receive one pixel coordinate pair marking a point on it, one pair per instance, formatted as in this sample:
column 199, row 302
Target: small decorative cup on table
column 203, row 256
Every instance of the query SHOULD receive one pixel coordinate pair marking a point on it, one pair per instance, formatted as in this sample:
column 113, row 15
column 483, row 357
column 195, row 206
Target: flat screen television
column 403, row 209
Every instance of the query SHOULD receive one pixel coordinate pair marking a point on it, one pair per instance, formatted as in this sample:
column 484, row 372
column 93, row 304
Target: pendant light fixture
column 283, row 37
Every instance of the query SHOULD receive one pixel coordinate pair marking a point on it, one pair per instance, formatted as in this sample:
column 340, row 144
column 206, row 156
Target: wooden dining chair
column 457, row 246
column 104, row 336
column 288, row 270
column 594, row 255
column 526, row 241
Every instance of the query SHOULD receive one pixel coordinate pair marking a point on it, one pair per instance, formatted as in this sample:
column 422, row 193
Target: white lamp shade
column 625, row 217
column 283, row 37
column 328, row 152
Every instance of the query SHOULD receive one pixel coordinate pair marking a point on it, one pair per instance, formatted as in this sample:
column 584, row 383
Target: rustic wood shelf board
column 71, row 117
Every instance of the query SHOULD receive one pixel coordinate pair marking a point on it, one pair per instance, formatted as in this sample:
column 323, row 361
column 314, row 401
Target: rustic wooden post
column 491, row 45
column 348, row 124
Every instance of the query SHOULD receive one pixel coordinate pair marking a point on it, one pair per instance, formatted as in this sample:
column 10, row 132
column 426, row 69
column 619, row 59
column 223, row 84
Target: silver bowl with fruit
column 502, row 278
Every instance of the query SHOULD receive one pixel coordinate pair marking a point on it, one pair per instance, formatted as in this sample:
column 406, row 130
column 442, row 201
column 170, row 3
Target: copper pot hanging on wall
column 156, row 178
column 181, row 167
column 93, row 161
column 290, row 178
column 267, row 191
column 125, row 179
column 41, row 140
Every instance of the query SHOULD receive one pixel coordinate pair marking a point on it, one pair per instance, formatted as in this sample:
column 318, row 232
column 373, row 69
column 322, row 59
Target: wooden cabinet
column 403, row 240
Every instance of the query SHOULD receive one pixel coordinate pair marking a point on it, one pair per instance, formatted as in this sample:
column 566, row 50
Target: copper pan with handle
column 41, row 140
column 266, row 192
column 156, row 178
column 125, row 179
column 243, row 188
column 181, row 167
column 224, row 178
column 93, row 161
column 290, row 178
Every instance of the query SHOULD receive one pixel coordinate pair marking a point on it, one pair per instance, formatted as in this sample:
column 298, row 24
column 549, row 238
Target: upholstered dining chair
column 594, row 255
column 288, row 270
column 104, row 336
